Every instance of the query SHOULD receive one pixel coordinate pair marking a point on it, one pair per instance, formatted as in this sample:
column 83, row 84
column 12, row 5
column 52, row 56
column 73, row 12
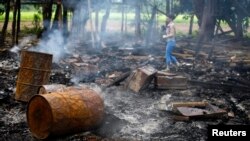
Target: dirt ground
column 115, row 26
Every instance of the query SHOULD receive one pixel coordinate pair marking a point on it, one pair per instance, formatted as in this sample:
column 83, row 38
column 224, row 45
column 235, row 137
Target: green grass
column 178, row 19
column 28, row 16
column 25, row 16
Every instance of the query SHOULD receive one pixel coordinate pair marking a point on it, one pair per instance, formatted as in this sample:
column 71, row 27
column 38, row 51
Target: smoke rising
column 22, row 44
column 54, row 44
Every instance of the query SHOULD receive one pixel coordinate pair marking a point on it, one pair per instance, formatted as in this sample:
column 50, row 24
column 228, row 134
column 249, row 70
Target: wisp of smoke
column 22, row 44
column 54, row 44
column 15, row 49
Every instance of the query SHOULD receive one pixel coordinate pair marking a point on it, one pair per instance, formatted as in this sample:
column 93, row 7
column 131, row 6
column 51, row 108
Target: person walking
column 171, row 43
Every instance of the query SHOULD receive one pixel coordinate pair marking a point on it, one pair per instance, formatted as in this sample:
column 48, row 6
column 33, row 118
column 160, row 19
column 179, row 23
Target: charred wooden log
column 216, row 85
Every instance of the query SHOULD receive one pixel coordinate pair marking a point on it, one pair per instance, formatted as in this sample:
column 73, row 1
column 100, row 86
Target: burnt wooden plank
column 171, row 82
column 216, row 85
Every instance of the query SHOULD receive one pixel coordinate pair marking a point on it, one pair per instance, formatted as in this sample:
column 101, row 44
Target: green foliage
column 2, row 9
column 183, row 6
column 180, row 33
column 195, row 33
column 36, row 21
column 26, row 7
column 36, row 25
column 186, row 16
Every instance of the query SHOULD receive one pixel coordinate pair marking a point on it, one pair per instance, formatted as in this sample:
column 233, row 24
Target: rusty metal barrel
column 61, row 113
column 45, row 89
column 34, row 72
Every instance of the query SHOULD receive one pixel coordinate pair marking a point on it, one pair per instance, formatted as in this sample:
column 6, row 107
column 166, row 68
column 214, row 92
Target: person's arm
column 171, row 32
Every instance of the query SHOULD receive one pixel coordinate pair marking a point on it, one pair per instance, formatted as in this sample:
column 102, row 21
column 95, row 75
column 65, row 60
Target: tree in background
column 57, row 23
column 47, row 15
column 236, row 14
column 138, row 18
column 208, row 20
column 6, row 21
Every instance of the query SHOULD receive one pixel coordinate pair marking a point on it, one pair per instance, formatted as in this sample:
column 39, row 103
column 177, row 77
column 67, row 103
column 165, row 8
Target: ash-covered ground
column 128, row 115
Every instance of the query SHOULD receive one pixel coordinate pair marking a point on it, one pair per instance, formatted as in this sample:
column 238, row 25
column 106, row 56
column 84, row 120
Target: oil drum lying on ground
column 60, row 113
column 34, row 72
column 45, row 89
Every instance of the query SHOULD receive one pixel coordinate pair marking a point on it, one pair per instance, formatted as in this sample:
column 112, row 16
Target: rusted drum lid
column 39, row 117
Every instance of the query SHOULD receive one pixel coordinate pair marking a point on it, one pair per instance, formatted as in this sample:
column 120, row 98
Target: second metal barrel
column 65, row 112
column 34, row 72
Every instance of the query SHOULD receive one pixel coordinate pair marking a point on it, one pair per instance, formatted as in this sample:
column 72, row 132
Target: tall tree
column 206, row 31
column 104, row 22
column 6, row 21
column 150, row 25
column 198, row 9
column 18, row 20
column 58, row 16
column 138, row 18
column 47, row 14
column 97, row 21
column 14, row 22
column 235, row 13
column 65, row 19
column 208, row 20
column 105, row 17
column 123, row 17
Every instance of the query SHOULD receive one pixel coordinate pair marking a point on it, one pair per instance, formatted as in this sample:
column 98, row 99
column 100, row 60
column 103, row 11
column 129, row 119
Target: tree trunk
column 150, row 26
column 171, row 6
column 206, row 32
column 138, row 19
column 18, row 20
column 122, row 25
column 104, row 22
column 208, row 20
column 58, row 17
column 97, row 21
column 239, row 29
column 191, row 24
column 105, row 17
column 65, row 20
column 239, row 33
column 6, row 21
column 14, row 22
column 167, row 6
column 198, row 9
column 126, row 20
column 79, row 20
column 97, row 38
column 47, row 14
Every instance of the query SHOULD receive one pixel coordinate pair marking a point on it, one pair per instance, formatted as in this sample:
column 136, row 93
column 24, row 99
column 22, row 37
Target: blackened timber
column 242, row 82
column 216, row 85
column 119, row 79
